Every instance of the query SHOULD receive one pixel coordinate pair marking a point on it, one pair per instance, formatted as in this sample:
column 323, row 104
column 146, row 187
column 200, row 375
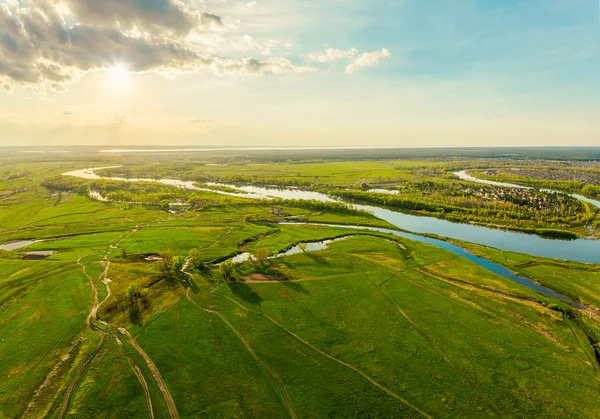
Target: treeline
column 315, row 205
column 196, row 173
column 163, row 195
column 142, row 192
column 562, row 214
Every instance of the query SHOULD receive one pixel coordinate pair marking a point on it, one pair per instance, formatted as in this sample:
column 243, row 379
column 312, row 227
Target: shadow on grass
column 316, row 258
column 245, row 292
column 295, row 286
column 193, row 286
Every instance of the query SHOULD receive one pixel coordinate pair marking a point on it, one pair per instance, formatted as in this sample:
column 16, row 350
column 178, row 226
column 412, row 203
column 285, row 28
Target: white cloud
column 368, row 59
column 332, row 54
column 39, row 50
column 233, row 43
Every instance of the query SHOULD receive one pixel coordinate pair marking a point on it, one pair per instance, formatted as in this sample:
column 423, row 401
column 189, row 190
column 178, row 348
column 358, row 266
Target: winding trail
column 155, row 373
column 285, row 396
column 436, row 348
column 93, row 317
column 92, row 355
column 332, row 358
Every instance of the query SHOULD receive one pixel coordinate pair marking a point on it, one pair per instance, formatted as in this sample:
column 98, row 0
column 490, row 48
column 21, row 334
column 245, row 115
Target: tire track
column 138, row 373
column 339, row 361
column 90, row 358
column 92, row 316
column 286, row 399
column 155, row 373
column 472, row 383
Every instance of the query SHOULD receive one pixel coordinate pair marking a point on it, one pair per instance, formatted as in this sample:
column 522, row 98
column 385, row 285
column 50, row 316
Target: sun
column 118, row 76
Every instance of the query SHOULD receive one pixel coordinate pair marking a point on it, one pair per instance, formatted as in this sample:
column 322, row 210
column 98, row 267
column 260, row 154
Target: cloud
column 240, row 44
column 331, row 54
column 368, row 59
column 362, row 61
column 66, row 112
column 172, row 15
column 39, row 50
column 253, row 66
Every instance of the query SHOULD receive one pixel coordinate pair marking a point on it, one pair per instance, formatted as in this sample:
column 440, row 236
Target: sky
column 300, row 73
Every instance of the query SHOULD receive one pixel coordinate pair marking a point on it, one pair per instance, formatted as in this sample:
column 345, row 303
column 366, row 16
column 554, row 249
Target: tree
column 177, row 264
column 226, row 269
column 167, row 261
column 261, row 254
column 303, row 246
column 196, row 260
column 131, row 292
column 84, row 190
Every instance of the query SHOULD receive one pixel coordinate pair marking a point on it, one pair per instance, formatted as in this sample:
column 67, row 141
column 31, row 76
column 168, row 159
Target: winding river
column 581, row 250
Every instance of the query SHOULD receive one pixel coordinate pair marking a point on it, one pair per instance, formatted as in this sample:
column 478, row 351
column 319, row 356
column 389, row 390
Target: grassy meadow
column 138, row 312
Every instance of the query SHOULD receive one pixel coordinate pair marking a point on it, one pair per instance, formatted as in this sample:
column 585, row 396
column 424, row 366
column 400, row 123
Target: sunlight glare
column 118, row 76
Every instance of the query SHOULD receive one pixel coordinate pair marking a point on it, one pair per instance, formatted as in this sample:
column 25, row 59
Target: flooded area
column 310, row 247
column 18, row 244
column 385, row 191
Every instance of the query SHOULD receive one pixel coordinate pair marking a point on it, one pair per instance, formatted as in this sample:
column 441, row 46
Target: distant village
column 524, row 197
column 555, row 174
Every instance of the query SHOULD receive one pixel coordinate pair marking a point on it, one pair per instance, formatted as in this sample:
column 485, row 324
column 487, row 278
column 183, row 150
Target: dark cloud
column 38, row 49
column 211, row 20
column 172, row 15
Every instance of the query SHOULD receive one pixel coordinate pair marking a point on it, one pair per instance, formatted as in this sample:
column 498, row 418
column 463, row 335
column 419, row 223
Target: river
column 578, row 250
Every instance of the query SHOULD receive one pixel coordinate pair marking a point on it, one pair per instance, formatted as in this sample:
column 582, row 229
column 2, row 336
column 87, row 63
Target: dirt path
column 155, row 373
column 92, row 316
column 436, row 348
column 151, row 366
column 90, row 358
column 339, row 361
column 285, row 396
column 586, row 350
column 138, row 372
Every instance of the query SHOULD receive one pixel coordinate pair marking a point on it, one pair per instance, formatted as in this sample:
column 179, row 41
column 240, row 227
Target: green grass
column 577, row 280
column 374, row 326
column 110, row 388
column 354, row 318
column 43, row 312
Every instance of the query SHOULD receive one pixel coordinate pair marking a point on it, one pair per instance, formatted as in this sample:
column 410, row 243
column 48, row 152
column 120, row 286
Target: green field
column 135, row 315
